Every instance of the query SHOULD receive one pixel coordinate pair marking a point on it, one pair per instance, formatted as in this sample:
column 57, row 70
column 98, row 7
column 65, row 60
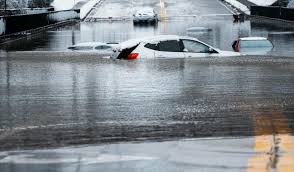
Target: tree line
column 16, row 4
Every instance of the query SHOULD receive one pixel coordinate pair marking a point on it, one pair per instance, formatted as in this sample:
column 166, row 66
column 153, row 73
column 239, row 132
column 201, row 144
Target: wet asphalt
column 182, row 155
column 209, row 114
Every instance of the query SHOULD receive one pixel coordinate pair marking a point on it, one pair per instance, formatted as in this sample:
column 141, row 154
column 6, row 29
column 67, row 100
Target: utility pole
column 5, row 7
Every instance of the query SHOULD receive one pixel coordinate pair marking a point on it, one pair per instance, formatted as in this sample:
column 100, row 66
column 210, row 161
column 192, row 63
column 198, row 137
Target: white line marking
column 100, row 159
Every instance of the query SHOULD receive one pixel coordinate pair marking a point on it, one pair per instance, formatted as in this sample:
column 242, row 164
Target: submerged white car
column 145, row 15
column 103, row 48
column 253, row 45
column 167, row 46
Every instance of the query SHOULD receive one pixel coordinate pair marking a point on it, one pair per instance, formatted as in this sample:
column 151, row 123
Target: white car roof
column 158, row 38
column 155, row 39
column 253, row 38
column 151, row 39
column 92, row 44
column 145, row 10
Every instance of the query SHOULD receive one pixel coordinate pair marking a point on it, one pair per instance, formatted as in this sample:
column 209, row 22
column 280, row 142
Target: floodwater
column 48, row 101
column 52, row 99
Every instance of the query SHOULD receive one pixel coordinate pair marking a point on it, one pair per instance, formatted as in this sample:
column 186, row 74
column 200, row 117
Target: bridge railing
column 18, row 23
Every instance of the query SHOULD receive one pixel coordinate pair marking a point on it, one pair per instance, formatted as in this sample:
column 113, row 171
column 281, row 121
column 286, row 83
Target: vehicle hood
column 228, row 53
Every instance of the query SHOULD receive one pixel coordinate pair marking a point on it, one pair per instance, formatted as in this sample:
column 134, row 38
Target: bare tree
column 39, row 3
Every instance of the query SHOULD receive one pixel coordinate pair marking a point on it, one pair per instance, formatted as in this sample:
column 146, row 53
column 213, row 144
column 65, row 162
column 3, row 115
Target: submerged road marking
column 273, row 143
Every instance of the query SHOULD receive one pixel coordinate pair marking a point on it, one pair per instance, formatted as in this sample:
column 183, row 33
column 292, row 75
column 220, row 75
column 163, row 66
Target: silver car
column 145, row 15
column 253, row 45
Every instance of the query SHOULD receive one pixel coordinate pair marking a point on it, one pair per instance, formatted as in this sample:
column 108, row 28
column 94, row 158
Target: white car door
column 169, row 49
column 145, row 50
column 193, row 48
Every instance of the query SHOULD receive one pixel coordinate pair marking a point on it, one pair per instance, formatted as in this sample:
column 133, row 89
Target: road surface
column 116, row 9
column 85, row 112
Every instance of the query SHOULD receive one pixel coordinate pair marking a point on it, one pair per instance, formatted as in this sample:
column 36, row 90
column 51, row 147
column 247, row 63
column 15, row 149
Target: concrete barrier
column 19, row 23
column 273, row 12
column 63, row 15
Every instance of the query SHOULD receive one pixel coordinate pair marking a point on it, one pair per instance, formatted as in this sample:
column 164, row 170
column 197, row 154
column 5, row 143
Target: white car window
column 195, row 47
column 256, row 43
column 170, row 46
column 102, row 47
column 151, row 46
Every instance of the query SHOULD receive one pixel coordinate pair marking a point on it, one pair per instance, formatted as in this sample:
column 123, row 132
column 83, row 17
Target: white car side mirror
column 211, row 50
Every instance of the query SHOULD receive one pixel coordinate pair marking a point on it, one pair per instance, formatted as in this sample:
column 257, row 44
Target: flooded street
column 55, row 102
column 64, row 111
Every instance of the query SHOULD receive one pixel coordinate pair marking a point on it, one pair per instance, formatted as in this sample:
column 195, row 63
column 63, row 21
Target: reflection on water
column 273, row 142
column 49, row 103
